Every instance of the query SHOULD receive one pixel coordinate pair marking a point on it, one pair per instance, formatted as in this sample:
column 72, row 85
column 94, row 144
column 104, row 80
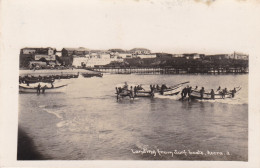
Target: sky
column 174, row 26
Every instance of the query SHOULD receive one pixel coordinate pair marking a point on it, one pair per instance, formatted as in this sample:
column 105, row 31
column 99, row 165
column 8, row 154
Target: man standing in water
column 212, row 94
column 233, row 92
column 39, row 88
column 189, row 90
column 202, row 92
column 183, row 93
column 43, row 89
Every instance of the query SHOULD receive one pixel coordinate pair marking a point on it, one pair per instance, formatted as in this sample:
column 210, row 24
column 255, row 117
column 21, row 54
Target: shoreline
column 47, row 72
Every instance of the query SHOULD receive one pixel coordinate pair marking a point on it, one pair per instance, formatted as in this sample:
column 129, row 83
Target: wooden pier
column 169, row 70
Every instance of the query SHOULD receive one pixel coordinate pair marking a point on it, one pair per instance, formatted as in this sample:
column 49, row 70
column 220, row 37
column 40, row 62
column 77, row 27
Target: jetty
column 169, row 70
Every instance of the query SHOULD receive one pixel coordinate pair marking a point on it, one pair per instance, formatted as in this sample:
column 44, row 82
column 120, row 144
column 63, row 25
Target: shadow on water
column 26, row 149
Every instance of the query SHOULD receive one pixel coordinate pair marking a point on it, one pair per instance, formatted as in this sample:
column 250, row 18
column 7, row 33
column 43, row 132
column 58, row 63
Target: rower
column 219, row 88
column 125, row 86
column 164, row 87
column 157, row 87
column 119, row 89
column 224, row 93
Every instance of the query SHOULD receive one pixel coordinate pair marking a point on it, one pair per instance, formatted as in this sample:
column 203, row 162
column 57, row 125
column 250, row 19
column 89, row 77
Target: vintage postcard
column 132, row 83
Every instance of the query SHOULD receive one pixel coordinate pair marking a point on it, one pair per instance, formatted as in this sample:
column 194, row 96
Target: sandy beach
column 47, row 72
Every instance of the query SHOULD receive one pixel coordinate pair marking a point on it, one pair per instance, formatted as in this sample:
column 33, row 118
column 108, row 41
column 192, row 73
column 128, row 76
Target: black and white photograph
column 130, row 80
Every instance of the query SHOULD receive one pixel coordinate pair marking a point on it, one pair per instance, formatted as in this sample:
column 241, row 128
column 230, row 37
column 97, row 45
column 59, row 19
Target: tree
column 44, row 60
column 58, row 59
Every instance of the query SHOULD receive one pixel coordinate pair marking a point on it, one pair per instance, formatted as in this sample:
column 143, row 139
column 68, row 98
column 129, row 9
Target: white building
column 239, row 56
column 91, row 62
column 47, row 57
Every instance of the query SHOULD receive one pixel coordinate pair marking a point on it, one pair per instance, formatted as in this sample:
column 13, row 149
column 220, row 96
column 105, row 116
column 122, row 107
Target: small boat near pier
column 32, row 89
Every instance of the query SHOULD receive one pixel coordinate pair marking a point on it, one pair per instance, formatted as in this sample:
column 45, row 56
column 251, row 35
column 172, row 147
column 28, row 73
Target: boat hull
column 58, row 89
column 207, row 96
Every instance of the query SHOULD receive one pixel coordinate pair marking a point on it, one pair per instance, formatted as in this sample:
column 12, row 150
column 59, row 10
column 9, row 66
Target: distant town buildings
column 235, row 56
column 83, row 57
column 192, row 56
column 69, row 52
column 37, row 55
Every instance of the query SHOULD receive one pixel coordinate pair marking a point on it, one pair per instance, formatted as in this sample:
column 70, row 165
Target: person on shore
column 39, row 88
column 233, row 92
column 52, row 86
column 202, row 93
column 212, row 93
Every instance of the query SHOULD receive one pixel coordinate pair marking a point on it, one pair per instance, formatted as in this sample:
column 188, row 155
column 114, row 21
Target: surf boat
column 172, row 90
column 88, row 75
column 195, row 94
column 123, row 91
column 29, row 89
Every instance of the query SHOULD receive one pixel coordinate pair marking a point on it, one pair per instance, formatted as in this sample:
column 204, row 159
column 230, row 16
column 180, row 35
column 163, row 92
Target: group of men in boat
column 188, row 90
column 132, row 92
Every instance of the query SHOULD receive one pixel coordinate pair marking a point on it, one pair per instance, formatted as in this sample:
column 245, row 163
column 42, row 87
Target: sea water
column 87, row 122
